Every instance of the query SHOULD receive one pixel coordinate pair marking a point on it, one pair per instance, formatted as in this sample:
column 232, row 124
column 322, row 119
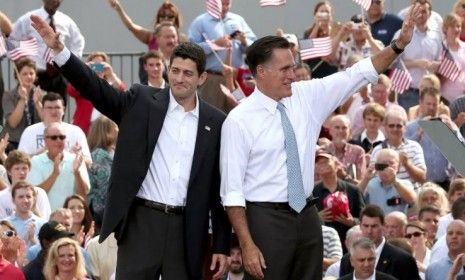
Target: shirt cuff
column 367, row 69
column 62, row 57
column 234, row 199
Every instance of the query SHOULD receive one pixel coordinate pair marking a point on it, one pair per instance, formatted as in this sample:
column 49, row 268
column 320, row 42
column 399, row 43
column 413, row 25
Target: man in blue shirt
column 383, row 25
column 231, row 31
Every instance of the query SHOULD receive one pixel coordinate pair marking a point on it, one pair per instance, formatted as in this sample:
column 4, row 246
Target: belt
column 165, row 208
column 282, row 205
column 214, row 72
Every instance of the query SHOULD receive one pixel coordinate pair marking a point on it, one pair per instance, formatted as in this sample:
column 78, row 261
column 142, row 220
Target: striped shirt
column 332, row 247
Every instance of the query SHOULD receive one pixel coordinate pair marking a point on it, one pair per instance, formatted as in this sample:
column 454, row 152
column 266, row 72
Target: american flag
column 18, row 49
column 449, row 67
column 400, row 77
column 2, row 46
column 264, row 3
column 48, row 56
column 364, row 3
column 316, row 47
column 214, row 8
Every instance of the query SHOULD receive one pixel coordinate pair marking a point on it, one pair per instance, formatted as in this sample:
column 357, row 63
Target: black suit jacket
column 378, row 276
column 140, row 113
column 392, row 261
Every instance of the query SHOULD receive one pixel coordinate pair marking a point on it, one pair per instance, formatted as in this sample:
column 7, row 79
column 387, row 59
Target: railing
column 125, row 65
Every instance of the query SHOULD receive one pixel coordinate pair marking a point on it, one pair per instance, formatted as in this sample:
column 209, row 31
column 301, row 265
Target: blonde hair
column 93, row 55
column 100, row 133
column 456, row 6
column 451, row 20
column 433, row 79
column 50, row 268
column 442, row 203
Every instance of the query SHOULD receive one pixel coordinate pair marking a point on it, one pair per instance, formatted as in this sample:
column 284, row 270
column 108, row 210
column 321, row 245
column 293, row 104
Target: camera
column 97, row 67
column 234, row 34
column 322, row 15
column 381, row 166
column 393, row 201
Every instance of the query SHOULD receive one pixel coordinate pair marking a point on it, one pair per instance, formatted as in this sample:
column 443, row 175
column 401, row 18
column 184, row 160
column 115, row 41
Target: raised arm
column 138, row 31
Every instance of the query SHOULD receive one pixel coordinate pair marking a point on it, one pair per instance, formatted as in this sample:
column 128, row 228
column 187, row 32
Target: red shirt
column 9, row 271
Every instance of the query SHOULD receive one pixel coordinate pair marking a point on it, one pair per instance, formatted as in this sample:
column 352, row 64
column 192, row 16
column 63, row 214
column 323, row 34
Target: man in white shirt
column 48, row 77
column 32, row 139
column 58, row 172
column 18, row 165
column 280, row 235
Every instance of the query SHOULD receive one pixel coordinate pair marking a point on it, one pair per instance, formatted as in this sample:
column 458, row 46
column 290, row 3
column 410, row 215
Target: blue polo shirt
column 385, row 28
column 377, row 194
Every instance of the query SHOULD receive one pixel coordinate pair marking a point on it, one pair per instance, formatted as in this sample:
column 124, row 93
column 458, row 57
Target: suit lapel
column 157, row 114
column 201, row 143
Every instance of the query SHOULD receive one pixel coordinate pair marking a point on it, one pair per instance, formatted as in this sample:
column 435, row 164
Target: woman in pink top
column 452, row 28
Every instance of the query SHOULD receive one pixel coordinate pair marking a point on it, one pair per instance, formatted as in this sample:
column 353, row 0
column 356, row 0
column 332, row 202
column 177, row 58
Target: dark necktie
column 51, row 70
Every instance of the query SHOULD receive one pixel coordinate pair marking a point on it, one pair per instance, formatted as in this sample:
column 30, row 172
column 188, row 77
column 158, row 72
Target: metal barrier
column 125, row 65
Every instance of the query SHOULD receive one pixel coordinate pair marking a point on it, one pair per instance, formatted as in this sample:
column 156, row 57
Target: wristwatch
column 395, row 48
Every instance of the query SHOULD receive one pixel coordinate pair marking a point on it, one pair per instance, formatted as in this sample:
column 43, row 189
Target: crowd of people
column 310, row 161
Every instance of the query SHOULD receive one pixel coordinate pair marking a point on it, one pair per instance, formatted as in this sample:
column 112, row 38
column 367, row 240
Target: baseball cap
column 53, row 230
column 323, row 153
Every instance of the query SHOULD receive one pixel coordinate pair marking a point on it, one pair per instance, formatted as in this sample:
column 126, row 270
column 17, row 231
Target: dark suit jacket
column 392, row 261
column 140, row 114
column 378, row 276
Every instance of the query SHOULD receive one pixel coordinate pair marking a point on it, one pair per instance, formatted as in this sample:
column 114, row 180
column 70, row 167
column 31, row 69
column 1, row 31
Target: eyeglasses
column 56, row 137
column 393, row 125
column 416, row 234
column 166, row 17
column 8, row 233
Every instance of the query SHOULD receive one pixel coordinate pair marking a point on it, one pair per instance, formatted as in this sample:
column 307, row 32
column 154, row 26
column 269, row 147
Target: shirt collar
column 174, row 105
column 270, row 104
column 379, row 137
column 379, row 249
column 371, row 277
column 163, row 84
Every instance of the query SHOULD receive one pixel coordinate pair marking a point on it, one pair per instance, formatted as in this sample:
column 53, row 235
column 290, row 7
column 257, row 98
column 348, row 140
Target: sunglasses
column 8, row 233
column 393, row 125
column 416, row 234
column 377, row 2
column 56, row 137
column 381, row 166
column 166, row 16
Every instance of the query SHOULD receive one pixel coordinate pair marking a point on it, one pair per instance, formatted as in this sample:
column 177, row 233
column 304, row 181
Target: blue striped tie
column 295, row 188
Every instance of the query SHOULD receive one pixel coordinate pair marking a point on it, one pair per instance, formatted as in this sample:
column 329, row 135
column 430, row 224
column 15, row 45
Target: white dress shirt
column 379, row 249
column 70, row 34
column 372, row 277
column 168, row 175
column 253, row 159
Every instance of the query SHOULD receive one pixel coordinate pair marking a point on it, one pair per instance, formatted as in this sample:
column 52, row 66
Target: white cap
column 291, row 38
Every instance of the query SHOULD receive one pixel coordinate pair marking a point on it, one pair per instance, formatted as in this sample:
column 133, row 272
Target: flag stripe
column 400, row 77
column 2, row 46
column 316, row 47
column 24, row 48
column 264, row 3
column 214, row 8
column 448, row 67
column 364, row 3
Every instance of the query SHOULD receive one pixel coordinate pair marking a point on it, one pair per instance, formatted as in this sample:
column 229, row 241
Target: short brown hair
column 433, row 92
column 22, row 185
column 23, row 62
column 456, row 185
column 152, row 54
column 376, row 110
column 373, row 211
column 17, row 157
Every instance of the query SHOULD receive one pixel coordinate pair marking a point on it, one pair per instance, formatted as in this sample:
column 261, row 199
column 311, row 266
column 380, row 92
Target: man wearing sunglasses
column 412, row 164
column 59, row 172
column 381, row 186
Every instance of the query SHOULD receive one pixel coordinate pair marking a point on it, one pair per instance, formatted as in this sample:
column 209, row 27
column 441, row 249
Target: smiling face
column 24, row 200
column 27, row 76
column 77, row 208
column 66, row 259
column 184, row 78
column 276, row 76
column 54, row 141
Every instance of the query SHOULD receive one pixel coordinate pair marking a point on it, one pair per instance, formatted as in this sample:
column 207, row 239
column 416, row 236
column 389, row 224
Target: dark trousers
column 292, row 244
column 152, row 245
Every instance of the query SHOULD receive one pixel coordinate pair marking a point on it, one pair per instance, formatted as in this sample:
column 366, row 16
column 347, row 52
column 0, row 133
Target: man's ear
column 202, row 78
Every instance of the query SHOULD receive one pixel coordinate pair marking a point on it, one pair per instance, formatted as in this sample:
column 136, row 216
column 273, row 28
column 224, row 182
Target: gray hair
column 363, row 243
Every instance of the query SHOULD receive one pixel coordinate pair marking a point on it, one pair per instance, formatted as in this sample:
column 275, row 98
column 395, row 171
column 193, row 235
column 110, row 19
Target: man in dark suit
column 165, row 174
column 391, row 260
column 363, row 259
